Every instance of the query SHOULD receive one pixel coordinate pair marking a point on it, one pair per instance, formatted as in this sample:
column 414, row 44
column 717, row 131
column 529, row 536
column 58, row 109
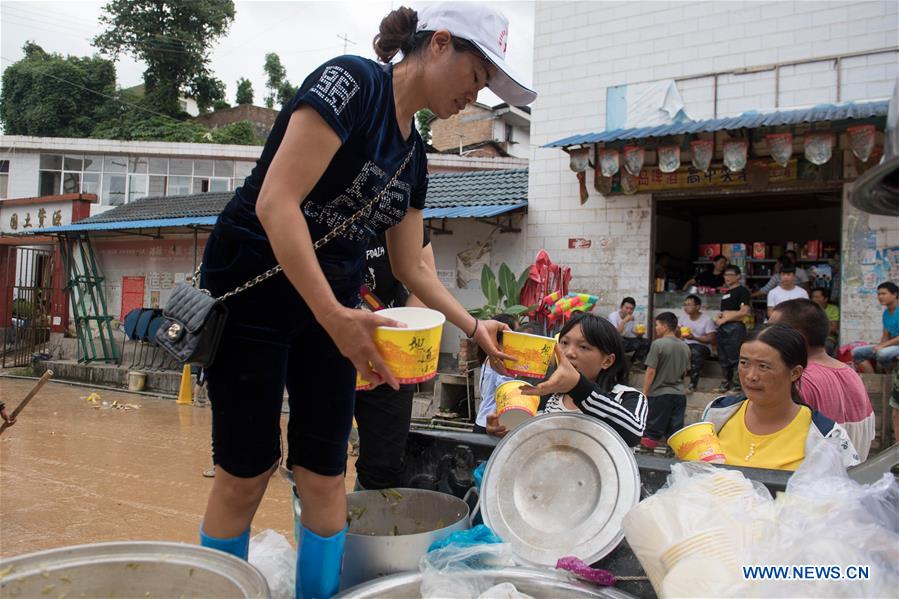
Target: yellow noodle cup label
column 512, row 407
column 697, row 443
column 411, row 353
column 532, row 353
column 361, row 383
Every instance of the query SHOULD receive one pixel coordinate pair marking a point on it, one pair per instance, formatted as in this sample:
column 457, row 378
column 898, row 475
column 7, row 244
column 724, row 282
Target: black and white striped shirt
column 623, row 408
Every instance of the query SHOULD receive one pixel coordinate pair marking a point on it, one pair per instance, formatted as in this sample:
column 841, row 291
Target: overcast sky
column 304, row 34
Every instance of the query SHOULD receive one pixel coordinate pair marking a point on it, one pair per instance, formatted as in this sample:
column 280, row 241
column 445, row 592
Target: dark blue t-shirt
column 354, row 95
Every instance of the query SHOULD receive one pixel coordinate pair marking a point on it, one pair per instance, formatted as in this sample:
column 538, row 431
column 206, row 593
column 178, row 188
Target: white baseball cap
column 487, row 29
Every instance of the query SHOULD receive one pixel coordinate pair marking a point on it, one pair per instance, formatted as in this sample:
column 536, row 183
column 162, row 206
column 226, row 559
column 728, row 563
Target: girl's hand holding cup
column 563, row 380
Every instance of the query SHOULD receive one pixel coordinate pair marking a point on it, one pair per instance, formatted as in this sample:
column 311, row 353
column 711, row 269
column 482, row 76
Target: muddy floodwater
column 122, row 467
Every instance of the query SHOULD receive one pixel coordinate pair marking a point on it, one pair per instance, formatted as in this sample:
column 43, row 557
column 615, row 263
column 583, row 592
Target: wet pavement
column 74, row 472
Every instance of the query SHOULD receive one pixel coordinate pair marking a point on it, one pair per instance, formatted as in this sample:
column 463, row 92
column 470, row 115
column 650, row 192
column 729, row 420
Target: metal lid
column 560, row 485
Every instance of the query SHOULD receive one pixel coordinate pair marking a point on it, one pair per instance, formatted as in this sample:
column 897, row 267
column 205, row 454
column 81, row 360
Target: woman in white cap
column 342, row 163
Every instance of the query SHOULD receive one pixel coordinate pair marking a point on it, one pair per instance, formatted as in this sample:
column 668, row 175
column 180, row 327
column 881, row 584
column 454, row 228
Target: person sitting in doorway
column 700, row 337
column 787, row 289
column 769, row 426
column 821, row 296
column 802, row 276
column 634, row 339
column 887, row 351
column 828, row 385
column 712, row 276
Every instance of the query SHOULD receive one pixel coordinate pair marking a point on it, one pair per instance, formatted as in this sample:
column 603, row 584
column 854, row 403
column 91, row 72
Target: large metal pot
column 391, row 529
column 536, row 583
column 130, row 569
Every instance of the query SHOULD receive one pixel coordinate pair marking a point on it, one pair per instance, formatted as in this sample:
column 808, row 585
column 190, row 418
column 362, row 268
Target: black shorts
column 272, row 341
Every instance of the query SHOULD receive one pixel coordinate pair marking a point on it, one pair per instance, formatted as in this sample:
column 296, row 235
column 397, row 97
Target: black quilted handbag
column 192, row 325
column 193, row 320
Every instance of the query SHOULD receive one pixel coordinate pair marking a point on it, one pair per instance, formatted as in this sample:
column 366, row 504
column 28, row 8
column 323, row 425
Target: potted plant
column 502, row 291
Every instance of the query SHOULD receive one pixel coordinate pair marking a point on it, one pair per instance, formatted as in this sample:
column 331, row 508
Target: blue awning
column 747, row 120
column 132, row 224
column 481, row 211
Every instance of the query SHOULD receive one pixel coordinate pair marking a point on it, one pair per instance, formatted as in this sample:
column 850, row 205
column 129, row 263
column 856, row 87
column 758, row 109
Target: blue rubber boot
column 319, row 562
column 238, row 546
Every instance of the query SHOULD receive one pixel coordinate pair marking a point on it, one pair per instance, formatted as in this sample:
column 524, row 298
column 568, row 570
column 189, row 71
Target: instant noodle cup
column 639, row 328
column 411, row 353
column 532, row 353
column 697, row 442
column 684, row 331
column 512, row 406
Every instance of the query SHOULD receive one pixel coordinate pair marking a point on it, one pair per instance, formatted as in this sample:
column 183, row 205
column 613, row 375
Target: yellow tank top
column 783, row 450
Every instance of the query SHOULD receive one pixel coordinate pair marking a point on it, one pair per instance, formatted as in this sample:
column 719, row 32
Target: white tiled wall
column 582, row 48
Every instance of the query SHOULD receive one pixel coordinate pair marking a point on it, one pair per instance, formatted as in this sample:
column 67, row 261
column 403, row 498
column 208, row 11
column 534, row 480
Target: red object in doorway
column 132, row 294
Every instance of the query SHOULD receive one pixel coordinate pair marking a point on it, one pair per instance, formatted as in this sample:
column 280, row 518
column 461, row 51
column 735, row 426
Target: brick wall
column 582, row 48
column 473, row 125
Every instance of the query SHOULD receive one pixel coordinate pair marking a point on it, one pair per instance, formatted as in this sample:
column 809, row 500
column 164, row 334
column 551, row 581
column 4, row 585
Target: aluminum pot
column 130, row 569
column 533, row 582
column 391, row 529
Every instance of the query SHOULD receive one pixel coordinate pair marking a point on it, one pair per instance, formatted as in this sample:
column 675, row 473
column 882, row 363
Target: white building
column 50, row 183
column 594, row 63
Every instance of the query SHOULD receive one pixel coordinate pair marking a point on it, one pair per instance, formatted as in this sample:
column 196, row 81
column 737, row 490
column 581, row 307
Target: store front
column 751, row 188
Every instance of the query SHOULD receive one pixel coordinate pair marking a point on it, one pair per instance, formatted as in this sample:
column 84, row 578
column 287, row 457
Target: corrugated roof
column 119, row 225
column 747, row 120
column 472, row 211
column 479, row 194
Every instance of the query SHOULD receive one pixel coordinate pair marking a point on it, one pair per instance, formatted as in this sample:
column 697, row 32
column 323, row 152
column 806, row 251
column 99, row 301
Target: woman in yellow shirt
column 769, row 427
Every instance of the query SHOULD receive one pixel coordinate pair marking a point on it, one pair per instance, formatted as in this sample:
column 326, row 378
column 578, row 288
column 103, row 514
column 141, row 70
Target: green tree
column 220, row 105
column 244, row 91
column 286, row 93
column 240, row 133
column 207, row 90
column 54, row 96
column 173, row 38
column 276, row 79
column 139, row 126
column 423, row 120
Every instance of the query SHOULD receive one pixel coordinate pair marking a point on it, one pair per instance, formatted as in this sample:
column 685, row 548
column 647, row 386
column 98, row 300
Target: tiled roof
column 450, row 195
column 198, row 204
column 478, row 188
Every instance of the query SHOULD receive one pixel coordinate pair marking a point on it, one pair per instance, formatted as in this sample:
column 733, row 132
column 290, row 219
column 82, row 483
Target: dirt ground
column 74, row 472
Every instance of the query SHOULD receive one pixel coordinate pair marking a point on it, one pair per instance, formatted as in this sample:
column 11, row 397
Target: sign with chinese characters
column 653, row 179
column 25, row 216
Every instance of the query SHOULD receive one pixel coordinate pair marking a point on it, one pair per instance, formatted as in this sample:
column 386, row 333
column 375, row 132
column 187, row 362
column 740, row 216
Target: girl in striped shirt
column 591, row 378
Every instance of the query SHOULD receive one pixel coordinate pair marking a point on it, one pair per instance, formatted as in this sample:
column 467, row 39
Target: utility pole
column 346, row 41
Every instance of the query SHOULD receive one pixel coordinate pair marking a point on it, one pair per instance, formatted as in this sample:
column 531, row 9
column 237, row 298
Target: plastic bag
column 456, row 571
column 826, row 519
column 272, row 554
column 504, row 590
column 478, row 474
column 703, row 511
column 477, row 535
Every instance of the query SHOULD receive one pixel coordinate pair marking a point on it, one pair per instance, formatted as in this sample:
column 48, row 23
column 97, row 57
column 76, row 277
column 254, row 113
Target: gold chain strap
column 318, row 244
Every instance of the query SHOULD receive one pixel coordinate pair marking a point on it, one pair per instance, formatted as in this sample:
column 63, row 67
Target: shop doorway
column 29, row 290
column 752, row 231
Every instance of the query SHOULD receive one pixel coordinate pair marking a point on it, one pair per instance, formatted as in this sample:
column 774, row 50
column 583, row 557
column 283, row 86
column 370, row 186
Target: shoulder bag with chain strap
column 193, row 320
